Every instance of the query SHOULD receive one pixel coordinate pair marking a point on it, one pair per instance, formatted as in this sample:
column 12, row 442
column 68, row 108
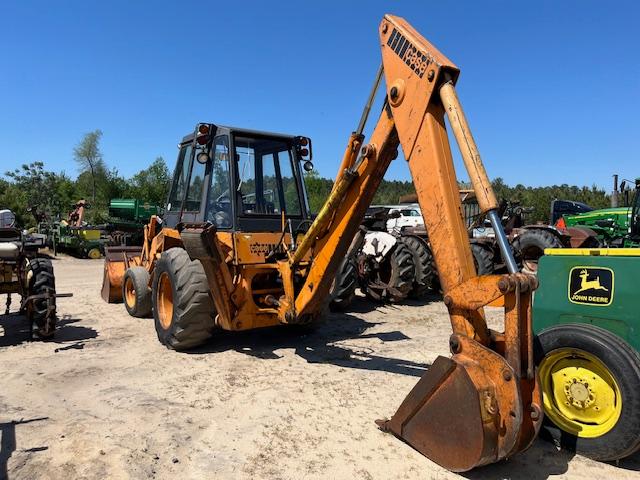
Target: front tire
column 590, row 380
column 136, row 292
column 183, row 311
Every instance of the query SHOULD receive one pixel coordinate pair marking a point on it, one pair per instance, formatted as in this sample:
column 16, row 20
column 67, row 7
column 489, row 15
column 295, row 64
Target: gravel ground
column 106, row 400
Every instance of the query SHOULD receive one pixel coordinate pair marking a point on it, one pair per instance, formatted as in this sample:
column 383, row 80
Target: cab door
column 188, row 189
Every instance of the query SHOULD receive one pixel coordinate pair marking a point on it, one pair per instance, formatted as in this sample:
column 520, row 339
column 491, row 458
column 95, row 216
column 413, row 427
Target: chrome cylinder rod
column 503, row 243
column 372, row 97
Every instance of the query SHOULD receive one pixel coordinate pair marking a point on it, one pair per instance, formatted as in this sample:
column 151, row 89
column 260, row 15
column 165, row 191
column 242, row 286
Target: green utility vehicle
column 614, row 227
column 585, row 315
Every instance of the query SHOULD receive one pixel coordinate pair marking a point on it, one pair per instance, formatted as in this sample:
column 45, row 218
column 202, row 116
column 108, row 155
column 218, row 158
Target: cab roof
column 242, row 131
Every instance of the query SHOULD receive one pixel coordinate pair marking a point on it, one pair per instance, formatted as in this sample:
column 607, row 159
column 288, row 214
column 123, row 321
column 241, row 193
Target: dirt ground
column 106, row 400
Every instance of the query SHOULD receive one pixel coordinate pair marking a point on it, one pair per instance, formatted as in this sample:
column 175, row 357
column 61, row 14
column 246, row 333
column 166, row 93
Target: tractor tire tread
column 140, row 278
column 42, row 281
column 193, row 308
column 344, row 288
column 425, row 273
column 403, row 272
column 483, row 259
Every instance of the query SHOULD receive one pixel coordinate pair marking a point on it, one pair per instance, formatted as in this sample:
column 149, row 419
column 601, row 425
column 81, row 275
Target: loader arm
column 482, row 404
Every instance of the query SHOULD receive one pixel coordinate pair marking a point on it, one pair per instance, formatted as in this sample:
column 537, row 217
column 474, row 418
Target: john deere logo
column 591, row 286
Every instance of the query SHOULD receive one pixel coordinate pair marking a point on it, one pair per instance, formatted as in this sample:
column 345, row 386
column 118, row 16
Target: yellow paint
column 602, row 252
column 580, row 394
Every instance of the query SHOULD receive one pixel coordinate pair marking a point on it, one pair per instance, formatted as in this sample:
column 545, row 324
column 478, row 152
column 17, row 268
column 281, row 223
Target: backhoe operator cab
column 239, row 180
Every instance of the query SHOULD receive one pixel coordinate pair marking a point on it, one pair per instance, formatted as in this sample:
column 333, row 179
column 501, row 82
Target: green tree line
column 539, row 198
column 53, row 194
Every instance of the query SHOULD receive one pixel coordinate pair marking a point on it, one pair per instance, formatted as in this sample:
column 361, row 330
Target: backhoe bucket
column 115, row 264
column 467, row 410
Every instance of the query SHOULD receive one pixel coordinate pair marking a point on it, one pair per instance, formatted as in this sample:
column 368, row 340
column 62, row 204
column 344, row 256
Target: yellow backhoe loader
column 237, row 249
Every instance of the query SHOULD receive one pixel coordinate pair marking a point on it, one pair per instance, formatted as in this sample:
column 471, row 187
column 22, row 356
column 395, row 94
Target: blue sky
column 551, row 88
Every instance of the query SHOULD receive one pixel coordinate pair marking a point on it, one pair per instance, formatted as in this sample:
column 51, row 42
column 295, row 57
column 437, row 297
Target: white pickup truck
column 409, row 216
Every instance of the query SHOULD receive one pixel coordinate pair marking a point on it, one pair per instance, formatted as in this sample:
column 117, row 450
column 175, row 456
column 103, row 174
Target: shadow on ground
column 318, row 346
column 16, row 331
column 542, row 460
column 361, row 304
column 8, row 443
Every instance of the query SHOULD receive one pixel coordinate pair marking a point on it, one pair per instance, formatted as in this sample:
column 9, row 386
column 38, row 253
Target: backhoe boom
column 482, row 404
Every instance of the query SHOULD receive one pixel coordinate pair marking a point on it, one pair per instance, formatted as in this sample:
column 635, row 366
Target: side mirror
column 308, row 166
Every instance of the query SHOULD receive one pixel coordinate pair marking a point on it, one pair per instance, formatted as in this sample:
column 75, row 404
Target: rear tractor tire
column 344, row 286
column 482, row 259
column 590, row 380
column 183, row 310
column 42, row 281
column 136, row 292
column 426, row 276
column 394, row 279
column 530, row 246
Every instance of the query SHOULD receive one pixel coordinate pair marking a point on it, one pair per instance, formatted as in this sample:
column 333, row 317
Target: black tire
column 344, row 286
column 425, row 272
column 623, row 364
column 394, row 278
column 191, row 319
column 42, row 281
column 136, row 292
column 482, row 259
column 529, row 246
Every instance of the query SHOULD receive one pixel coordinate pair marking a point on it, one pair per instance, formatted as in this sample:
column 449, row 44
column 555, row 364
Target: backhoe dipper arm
column 482, row 404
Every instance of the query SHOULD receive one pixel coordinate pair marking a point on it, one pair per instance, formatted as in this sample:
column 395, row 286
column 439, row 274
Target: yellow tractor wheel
column 580, row 393
column 590, row 381
column 94, row 253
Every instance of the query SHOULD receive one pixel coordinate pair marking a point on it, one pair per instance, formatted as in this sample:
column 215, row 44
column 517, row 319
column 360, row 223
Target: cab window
column 196, row 187
column 180, row 179
column 219, row 204
column 289, row 184
column 266, row 185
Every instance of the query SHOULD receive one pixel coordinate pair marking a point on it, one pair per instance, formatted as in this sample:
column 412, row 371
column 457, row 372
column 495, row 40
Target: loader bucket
column 115, row 264
column 467, row 410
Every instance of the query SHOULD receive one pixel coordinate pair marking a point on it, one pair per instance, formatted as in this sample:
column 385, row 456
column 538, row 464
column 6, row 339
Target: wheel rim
column 165, row 300
column 580, row 394
column 129, row 292
column 94, row 254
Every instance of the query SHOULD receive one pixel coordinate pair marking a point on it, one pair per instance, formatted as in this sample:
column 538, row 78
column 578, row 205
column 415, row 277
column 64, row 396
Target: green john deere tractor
column 614, row 227
column 585, row 315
